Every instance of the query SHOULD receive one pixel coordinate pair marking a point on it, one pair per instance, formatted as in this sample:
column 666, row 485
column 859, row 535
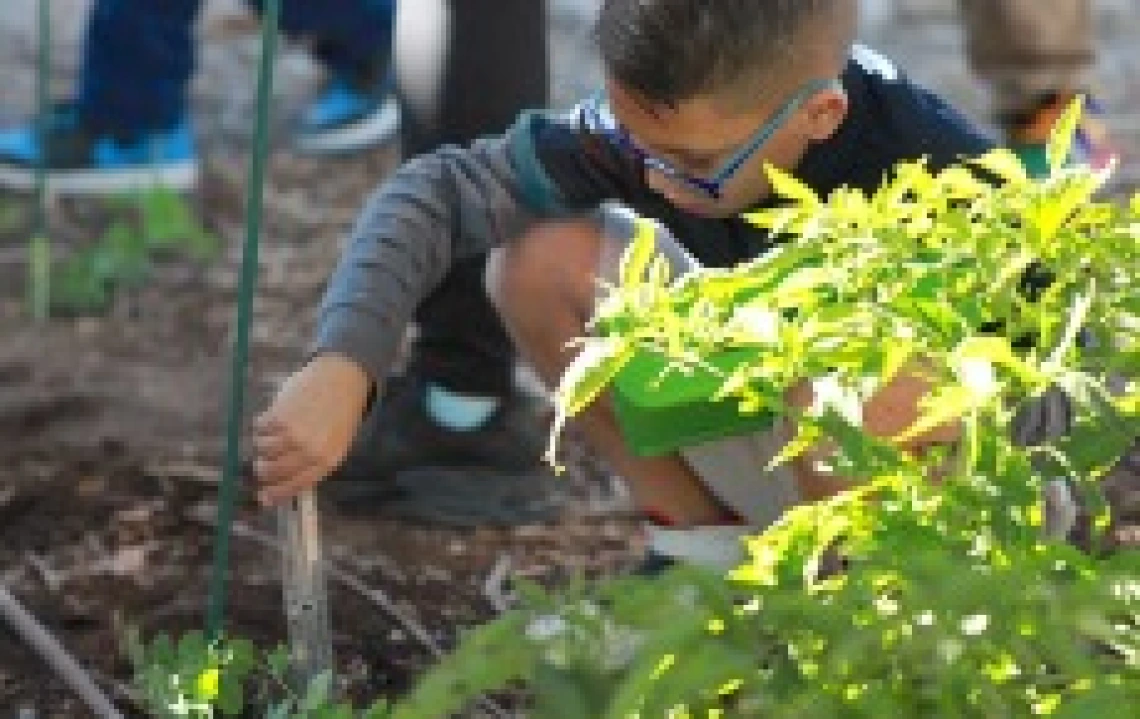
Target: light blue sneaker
column 343, row 118
column 80, row 162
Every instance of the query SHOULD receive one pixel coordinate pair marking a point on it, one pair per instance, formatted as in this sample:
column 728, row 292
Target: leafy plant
column 900, row 596
column 157, row 221
column 951, row 602
column 11, row 216
column 191, row 678
column 199, row 679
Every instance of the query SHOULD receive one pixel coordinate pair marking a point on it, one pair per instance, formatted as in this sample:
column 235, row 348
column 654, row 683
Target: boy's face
column 698, row 138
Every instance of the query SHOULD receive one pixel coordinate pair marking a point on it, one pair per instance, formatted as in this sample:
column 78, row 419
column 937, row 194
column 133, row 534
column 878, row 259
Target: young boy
column 698, row 97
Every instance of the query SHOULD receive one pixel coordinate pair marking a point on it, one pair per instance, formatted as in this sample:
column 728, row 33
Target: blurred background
column 111, row 411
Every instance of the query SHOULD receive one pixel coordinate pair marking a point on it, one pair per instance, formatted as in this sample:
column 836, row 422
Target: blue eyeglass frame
column 600, row 118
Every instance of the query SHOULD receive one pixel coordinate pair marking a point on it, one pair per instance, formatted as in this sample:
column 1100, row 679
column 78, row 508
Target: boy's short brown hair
column 668, row 51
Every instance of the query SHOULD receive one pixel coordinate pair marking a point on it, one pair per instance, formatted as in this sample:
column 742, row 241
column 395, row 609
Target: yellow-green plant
column 192, row 678
column 951, row 601
column 195, row 678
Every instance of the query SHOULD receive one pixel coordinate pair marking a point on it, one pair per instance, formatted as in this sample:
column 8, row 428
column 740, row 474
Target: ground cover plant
column 934, row 585
column 151, row 224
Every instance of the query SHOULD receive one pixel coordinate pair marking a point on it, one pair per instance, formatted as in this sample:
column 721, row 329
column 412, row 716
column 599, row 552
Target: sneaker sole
column 178, row 177
column 377, row 128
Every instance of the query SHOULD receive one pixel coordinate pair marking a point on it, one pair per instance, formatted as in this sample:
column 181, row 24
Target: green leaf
column 193, row 650
column 1005, row 164
column 488, row 658
column 591, row 372
column 317, row 694
column 1055, row 208
column 1103, row 702
column 896, row 354
column 944, row 405
column 231, row 695
column 789, row 188
column 77, row 286
column 560, row 694
column 278, row 661
column 997, row 351
column 807, row 436
column 635, row 259
column 380, row 709
column 1063, row 135
column 124, row 254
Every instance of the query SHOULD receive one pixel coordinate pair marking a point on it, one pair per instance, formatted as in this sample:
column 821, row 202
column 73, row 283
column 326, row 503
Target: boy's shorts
column 733, row 469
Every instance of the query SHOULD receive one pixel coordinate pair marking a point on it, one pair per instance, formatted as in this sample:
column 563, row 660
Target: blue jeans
column 139, row 54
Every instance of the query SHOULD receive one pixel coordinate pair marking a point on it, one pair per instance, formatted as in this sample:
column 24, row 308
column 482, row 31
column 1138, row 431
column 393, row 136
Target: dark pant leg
column 351, row 37
column 1028, row 48
column 138, row 56
column 497, row 65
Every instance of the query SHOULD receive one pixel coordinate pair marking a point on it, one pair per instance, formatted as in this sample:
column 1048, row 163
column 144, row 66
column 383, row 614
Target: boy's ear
column 824, row 113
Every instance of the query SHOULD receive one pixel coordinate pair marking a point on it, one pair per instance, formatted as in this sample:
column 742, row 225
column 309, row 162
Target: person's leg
column 493, row 61
column 544, row 286
column 356, row 107
column 698, row 503
column 1027, row 48
column 352, row 38
column 138, row 57
column 1035, row 56
column 128, row 126
column 495, row 64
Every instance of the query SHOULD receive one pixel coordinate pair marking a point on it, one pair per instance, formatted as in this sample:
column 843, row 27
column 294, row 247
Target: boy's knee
column 551, row 266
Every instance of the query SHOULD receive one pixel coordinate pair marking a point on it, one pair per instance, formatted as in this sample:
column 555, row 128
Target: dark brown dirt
column 110, row 440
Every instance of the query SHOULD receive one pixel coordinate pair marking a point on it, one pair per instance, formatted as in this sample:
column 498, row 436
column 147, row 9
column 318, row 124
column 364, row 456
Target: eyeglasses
column 598, row 117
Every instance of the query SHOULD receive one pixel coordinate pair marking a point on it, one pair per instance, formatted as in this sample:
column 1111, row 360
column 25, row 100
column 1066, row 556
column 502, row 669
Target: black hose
column 52, row 652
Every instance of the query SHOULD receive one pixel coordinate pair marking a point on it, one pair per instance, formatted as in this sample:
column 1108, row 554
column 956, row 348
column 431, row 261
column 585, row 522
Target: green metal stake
column 234, row 417
column 39, row 248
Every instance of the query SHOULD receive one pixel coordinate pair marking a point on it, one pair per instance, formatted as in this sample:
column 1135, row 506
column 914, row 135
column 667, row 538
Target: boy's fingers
column 272, row 445
column 276, row 493
column 281, row 469
column 267, row 423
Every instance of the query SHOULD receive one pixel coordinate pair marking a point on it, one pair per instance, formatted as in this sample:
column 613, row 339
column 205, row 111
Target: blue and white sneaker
column 80, row 162
column 343, row 118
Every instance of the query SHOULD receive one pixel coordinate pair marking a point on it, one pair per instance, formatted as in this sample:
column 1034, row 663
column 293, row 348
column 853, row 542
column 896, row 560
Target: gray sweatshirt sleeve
column 435, row 209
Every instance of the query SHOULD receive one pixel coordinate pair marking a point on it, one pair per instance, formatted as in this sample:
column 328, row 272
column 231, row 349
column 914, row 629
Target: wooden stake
column 306, row 596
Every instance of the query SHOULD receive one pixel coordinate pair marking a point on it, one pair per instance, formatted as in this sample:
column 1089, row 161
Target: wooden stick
column 303, row 584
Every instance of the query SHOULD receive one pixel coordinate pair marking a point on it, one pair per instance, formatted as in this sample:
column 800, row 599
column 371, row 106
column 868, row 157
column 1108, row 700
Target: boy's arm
column 444, row 206
column 438, row 208
column 434, row 209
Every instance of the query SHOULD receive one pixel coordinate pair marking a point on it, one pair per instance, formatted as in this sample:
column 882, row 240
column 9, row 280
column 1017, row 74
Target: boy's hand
column 889, row 412
column 309, row 427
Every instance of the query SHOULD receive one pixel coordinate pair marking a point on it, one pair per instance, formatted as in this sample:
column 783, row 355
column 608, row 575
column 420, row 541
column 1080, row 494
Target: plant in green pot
column 934, row 583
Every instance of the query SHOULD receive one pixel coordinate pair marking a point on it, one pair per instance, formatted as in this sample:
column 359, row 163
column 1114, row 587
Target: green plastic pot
column 659, row 415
